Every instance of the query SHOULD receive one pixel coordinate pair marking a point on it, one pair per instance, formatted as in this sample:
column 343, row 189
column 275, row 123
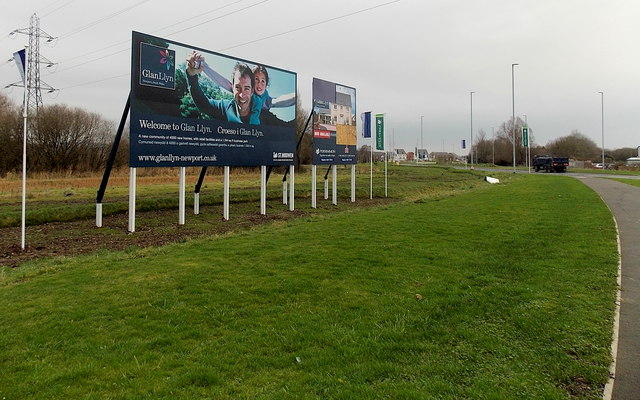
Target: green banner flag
column 525, row 136
column 379, row 131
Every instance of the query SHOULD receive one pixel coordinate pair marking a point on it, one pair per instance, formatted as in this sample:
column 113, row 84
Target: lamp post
column 602, row 114
column 513, row 116
column 421, row 142
column 471, row 143
column 526, row 150
column 493, row 147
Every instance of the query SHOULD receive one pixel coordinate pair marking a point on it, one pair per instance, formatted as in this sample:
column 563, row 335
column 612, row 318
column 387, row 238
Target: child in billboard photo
column 261, row 100
column 239, row 109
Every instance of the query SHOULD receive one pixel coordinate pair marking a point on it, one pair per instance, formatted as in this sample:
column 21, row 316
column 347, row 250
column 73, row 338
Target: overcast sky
column 416, row 61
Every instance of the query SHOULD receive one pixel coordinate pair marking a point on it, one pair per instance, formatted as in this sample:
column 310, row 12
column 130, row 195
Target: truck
column 550, row 164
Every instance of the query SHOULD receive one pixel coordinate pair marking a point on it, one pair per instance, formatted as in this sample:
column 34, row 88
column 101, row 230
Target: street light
column 493, row 148
column 513, row 116
column 602, row 113
column 471, row 143
column 421, row 142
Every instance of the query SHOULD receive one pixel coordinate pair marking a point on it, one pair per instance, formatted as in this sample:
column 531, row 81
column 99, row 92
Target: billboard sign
column 334, row 123
column 194, row 107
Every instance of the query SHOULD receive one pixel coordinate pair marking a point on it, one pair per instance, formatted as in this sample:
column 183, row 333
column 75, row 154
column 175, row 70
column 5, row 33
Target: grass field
column 459, row 290
column 633, row 182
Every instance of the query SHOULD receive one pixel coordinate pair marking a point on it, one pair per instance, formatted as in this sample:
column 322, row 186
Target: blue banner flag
column 19, row 57
column 464, row 144
column 366, row 124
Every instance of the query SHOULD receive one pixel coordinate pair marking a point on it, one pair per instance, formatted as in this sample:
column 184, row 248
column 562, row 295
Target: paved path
column 624, row 202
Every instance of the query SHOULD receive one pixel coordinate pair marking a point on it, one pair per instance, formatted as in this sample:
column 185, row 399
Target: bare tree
column 10, row 136
column 69, row 139
column 504, row 142
column 575, row 145
column 306, row 145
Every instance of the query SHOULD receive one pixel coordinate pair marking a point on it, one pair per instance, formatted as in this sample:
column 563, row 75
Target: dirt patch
column 153, row 228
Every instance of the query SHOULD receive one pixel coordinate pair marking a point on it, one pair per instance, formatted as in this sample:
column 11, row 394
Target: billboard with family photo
column 334, row 123
column 195, row 107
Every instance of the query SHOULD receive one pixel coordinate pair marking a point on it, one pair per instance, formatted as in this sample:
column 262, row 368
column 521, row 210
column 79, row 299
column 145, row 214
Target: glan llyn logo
column 157, row 66
column 167, row 58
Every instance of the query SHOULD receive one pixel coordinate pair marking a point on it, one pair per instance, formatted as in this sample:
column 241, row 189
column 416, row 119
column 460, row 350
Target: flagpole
column 371, row 171
column 25, row 113
column 386, row 161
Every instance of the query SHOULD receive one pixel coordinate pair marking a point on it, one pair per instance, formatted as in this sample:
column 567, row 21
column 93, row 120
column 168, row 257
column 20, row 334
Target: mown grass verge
column 632, row 182
column 49, row 203
column 486, row 294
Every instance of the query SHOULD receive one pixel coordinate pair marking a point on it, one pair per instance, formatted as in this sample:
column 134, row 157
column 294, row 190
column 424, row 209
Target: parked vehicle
column 550, row 164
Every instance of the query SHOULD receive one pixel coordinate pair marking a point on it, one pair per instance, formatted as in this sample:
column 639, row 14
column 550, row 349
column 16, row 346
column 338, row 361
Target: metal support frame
column 110, row 161
column 196, row 191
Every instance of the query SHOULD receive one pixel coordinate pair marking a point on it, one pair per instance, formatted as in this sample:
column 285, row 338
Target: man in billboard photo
column 237, row 110
column 262, row 100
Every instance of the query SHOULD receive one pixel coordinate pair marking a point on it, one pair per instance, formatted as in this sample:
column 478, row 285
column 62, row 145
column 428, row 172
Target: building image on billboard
column 194, row 107
column 334, row 123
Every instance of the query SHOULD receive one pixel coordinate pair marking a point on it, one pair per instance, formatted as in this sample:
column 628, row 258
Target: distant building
column 400, row 155
column 633, row 161
column 422, row 154
column 443, row 157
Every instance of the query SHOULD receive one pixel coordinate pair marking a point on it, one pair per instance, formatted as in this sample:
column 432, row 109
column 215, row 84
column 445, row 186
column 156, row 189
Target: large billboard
column 194, row 107
column 334, row 123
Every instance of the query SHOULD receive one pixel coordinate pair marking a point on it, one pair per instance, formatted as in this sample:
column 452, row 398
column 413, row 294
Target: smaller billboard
column 334, row 123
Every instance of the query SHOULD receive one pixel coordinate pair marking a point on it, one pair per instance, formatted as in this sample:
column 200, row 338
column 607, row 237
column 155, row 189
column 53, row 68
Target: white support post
column 353, row 183
column 181, row 196
column 132, row 200
column 263, row 189
column 284, row 193
column 335, row 185
column 314, row 183
column 99, row 215
column 225, row 212
column 196, row 203
column 292, row 191
column 385, row 173
column 25, row 116
column 326, row 188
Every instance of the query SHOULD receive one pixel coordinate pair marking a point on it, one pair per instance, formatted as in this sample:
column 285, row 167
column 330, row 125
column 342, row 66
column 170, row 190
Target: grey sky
column 406, row 59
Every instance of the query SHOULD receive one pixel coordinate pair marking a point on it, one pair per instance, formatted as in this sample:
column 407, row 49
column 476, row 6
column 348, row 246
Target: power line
column 241, row 44
column 199, row 15
column 96, row 81
column 108, row 17
column 163, row 28
column 309, row 26
column 56, row 9
column 219, row 17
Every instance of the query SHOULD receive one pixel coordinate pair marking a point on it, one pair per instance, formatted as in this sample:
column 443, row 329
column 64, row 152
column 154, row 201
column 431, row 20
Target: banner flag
column 379, row 131
column 366, row 124
column 525, row 136
column 464, row 144
column 19, row 57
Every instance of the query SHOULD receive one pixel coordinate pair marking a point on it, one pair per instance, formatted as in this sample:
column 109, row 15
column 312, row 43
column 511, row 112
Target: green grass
column 72, row 204
column 633, row 182
column 517, row 302
column 605, row 172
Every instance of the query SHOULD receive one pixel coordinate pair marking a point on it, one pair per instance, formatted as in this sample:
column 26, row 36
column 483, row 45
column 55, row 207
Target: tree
column 623, row 153
column 69, row 139
column 10, row 136
column 305, row 150
column 576, row 146
column 503, row 143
